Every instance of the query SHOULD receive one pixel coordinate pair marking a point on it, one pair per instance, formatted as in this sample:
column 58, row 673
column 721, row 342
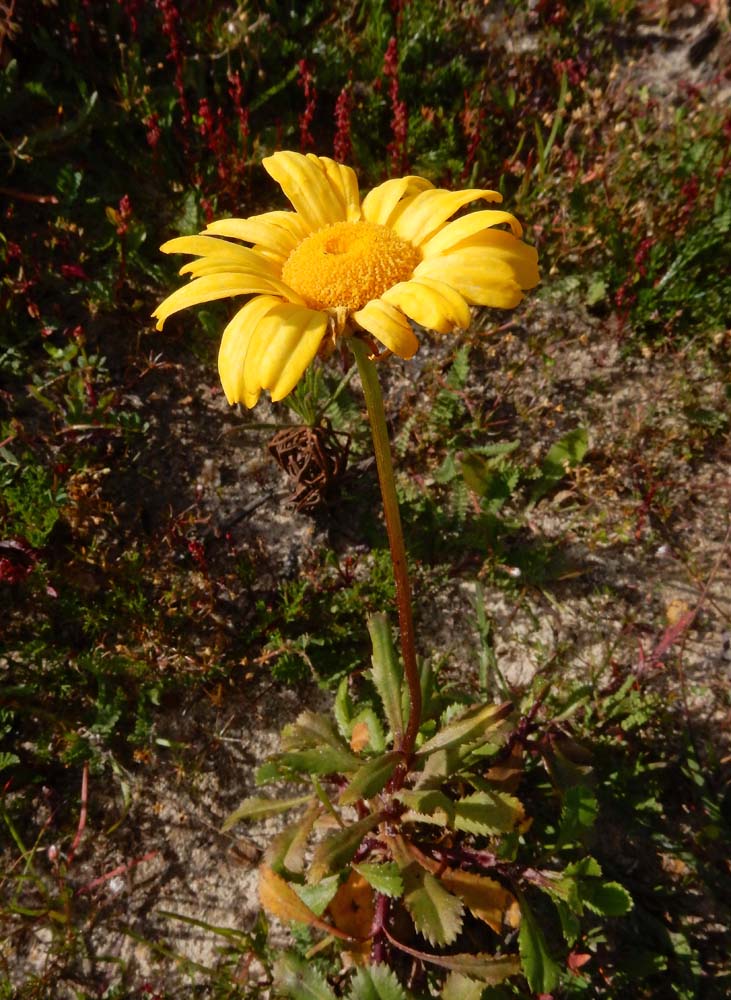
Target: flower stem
column 381, row 445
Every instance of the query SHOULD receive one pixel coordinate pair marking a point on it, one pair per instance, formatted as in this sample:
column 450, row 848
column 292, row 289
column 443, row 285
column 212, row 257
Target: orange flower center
column 347, row 264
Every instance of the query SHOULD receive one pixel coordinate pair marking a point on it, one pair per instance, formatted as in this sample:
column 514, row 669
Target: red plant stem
column 306, row 82
column 342, row 143
column 170, row 27
column 82, row 814
column 119, row 870
column 380, row 916
column 399, row 113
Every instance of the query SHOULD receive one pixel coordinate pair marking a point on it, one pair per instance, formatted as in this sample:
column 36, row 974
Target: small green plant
column 484, row 488
column 429, row 858
column 318, row 397
column 295, row 645
column 664, row 812
column 32, row 499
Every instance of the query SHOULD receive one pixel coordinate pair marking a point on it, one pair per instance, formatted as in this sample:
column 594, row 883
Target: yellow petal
column 344, row 179
column 282, row 241
column 458, row 305
column 389, row 326
column 379, row 203
column 521, row 258
column 260, row 280
column 425, row 214
column 207, row 246
column 263, row 267
column 288, row 221
column 481, row 278
column 235, row 344
column 277, row 260
column 292, row 336
column 432, row 304
column 282, row 346
column 308, row 188
column 254, row 353
column 293, row 345
column 249, row 260
column 214, row 286
column 469, row 225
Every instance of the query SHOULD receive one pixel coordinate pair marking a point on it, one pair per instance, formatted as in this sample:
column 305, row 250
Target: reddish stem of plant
column 306, row 81
column 82, row 813
column 380, row 916
column 397, row 148
column 119, row 870
column 342, row 143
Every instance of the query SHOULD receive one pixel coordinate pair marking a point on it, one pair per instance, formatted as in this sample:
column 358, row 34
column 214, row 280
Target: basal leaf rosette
column 429, row 856
column 337, row 266
column 387, row 853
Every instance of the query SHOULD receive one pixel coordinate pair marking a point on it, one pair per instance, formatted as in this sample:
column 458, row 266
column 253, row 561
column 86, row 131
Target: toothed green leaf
column 454, row 711
column 541, row 971
column 587, row 867
column 570, row 923
column 387, row 671
column 475, row 723
column 581, row 885
column 286, row 853
column 428, row 805
column 376, row 982
column 317, row 897
column 436, row 913
column 8, row 759
column 578, row 815
column 257, row 808
column 300, row 980
column 347, row 718
column 488, row 813
column 311, row 730
column 370, row 778
column 337, row 849
column 295, row 764
column 376, row 735
column 438, row 768
column 610, row 899
column 343, row 709
column 459, row 987
column 385, row 878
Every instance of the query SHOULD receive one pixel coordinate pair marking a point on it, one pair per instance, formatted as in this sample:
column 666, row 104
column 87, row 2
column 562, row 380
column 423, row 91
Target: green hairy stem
column 381, row 445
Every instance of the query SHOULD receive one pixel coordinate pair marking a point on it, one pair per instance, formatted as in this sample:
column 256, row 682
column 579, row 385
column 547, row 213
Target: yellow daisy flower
column 337, row 265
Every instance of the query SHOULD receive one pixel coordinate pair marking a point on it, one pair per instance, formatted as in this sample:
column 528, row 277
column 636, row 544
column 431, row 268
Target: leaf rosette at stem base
column 419, row 858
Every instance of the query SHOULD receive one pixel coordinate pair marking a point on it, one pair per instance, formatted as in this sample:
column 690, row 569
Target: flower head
column 337, row 266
